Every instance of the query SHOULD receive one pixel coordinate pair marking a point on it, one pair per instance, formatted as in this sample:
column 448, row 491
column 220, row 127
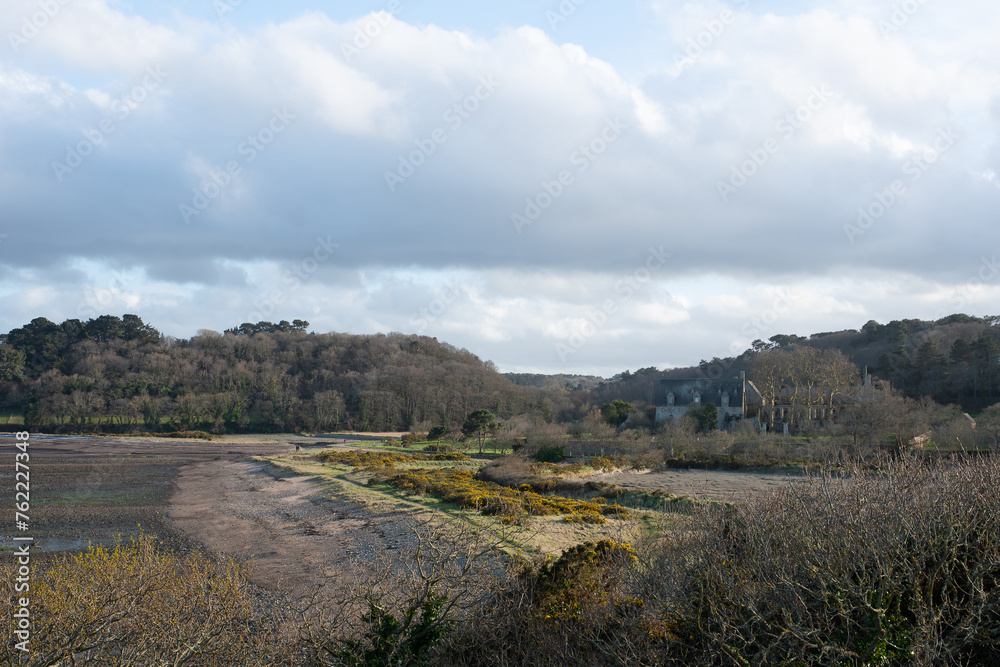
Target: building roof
column 709, row 390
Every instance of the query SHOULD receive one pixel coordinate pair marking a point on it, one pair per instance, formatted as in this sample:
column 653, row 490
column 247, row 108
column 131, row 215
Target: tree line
column 120, row 374
column 955, row 359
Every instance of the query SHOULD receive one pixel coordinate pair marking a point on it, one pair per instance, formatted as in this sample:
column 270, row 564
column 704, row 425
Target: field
column 714, row 485
column 297, row 520
column 313, row 545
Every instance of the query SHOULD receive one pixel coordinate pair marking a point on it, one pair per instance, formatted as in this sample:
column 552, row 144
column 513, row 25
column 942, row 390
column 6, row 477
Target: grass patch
column 547, row 534
column 463, row 489
column 376, row 460
column 8, row 417
column 661, row 501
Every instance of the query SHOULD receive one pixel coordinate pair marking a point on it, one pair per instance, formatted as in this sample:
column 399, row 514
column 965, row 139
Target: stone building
column 738, row 398
column 735, row 398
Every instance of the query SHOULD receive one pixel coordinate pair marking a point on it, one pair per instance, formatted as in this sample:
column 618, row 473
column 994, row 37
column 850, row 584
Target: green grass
column 11, row 418
column 545, row 535
column 489, row 449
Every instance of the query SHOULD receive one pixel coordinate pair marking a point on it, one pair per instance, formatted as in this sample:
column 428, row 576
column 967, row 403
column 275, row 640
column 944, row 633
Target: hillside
column 121, row 373
column 953, row 360
column 555, row 382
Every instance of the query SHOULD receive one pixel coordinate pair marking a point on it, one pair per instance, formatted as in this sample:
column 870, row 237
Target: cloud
column 210, row 161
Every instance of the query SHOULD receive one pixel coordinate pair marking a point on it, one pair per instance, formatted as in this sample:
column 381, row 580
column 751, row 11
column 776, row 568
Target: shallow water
column 53, row 544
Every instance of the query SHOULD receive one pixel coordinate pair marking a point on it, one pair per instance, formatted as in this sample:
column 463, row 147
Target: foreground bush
column 138, row 604
column 396, row 610
column 892, row 566
column 897, row 567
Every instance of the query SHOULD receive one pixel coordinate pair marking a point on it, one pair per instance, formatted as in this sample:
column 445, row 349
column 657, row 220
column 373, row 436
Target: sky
column 559, row 187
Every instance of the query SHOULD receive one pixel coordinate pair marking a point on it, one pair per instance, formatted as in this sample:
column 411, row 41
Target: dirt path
column 292, row 535
column 719, row 485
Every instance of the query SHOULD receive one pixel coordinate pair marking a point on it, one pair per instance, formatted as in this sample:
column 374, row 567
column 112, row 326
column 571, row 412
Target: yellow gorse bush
column 585, row 577
column 136, row 603
column 462, row 488
column 383, row 459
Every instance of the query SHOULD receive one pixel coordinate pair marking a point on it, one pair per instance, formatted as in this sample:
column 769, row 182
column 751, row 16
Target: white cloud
column 540, row 118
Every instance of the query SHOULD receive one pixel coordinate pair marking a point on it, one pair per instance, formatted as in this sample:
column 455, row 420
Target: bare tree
column 989, row 424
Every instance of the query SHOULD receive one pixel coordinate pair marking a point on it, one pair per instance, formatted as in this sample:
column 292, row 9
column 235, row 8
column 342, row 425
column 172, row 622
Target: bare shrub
column 988, row 425
column 400, row 608
column 956, row 434
column 894, row 565
column 676, row 435
column 138, row 604
column 569, row 610
column 899, row 566
column 510, row 471
column 545, row 433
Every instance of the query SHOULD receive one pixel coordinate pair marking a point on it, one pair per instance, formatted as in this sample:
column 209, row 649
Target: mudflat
column 197, row 495
column 210, row 496
column 89, row 490
column 294, row 535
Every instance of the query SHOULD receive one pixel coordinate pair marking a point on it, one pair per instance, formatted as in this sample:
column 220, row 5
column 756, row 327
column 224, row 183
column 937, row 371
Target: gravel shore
column 293, row 536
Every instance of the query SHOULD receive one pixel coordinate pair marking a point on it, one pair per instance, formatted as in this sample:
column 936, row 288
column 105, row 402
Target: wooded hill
column 120, row 374
column 953, row 360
